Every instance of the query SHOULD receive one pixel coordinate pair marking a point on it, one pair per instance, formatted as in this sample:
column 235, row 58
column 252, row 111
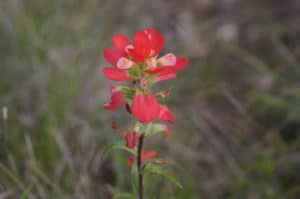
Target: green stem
column 139, row 167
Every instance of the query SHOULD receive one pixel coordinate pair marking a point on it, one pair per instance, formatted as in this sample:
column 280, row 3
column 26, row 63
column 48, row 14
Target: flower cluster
column 138, row 62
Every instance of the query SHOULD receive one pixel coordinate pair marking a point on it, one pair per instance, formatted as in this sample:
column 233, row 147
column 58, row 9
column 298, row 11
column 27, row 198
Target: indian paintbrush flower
column 138, row 62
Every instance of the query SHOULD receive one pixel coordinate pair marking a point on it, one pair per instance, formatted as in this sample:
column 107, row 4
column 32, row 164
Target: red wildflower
column 116, row 99
column 145, row 107
column 131, row 139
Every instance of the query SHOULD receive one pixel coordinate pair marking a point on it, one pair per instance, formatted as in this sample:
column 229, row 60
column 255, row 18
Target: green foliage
column 156, row 169
column 27, row 191
column 153, row 129
column 120, row 145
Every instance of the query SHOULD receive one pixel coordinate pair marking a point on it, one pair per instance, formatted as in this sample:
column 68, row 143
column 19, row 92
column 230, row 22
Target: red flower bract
column 116, row 99
column 145, row 107
column 112, row 56
column 156, row 41
column 180, row 64
column 116, row 74
column 164, row 77
column 146, row 155
column 131, row 139
column 121, row 42
column 165, row 114
column 146, row 43
column 142, row 47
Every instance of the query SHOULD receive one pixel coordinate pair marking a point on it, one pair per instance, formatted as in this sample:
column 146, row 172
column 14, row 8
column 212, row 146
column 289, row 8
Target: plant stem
column 139, row 167
column 3, row 137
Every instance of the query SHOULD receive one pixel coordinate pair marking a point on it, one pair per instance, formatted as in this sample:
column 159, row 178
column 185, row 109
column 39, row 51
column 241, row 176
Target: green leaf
column 127, row 93
column 134, row 174
column 120, row 145
column 156, row 169
column 135, row 73
column 154, row 129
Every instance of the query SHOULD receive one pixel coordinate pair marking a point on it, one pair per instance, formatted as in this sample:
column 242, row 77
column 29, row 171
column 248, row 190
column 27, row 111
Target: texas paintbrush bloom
column 137, row 61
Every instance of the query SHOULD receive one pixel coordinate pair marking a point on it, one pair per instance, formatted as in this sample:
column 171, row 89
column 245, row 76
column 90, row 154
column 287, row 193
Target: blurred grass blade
column 134, row 174
column 156, row 169
column 27, row 191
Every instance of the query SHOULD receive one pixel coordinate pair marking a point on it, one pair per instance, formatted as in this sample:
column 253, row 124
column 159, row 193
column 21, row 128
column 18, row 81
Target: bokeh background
column 237, row 105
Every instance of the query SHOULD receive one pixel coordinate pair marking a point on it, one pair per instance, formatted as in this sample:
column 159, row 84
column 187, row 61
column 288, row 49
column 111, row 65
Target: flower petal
column 142, row 47
column 121, row 42
column 148, row 155
column 167, row 60
column 165, row 114
column 181, row 63
column 117, row 99
column 112, row 56
column 116, row 74
column 157, row 41
column 164, row 77
column 131, row 139
column 145, row 107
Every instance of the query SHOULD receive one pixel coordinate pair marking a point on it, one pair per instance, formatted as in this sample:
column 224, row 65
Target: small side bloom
column 117, row 99
column 148, row 155
column 131, row 139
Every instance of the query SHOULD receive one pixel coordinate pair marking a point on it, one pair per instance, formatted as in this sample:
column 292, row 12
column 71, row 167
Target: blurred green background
column 236, row 106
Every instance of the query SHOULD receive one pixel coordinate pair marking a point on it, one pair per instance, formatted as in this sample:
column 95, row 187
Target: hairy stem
column 139, row 167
